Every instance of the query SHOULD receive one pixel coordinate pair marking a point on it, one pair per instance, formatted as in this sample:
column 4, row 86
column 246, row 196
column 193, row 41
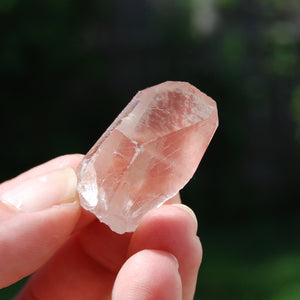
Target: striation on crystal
column 147, row 155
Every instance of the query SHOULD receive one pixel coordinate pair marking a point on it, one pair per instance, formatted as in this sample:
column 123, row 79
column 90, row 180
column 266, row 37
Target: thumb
column 37, row 215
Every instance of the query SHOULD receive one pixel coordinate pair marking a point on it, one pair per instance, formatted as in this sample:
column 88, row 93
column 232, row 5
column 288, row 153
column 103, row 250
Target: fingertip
column 42, row 192
column 172, row 228
column 64, row 161
column 148, row 274
column 188, row 210
column 168, row 216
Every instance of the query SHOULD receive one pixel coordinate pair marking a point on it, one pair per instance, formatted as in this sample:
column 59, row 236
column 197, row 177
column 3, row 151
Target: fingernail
column 42, row 192
column 175, row 259
column 165, row 254
column 190, row 211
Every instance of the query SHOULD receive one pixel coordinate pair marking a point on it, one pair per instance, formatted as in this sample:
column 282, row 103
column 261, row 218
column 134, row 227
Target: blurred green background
column 68, row 67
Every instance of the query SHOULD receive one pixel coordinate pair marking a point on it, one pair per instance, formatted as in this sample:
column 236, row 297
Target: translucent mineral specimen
column 147, row 154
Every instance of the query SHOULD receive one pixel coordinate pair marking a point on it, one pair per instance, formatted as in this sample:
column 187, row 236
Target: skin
column 74, row 256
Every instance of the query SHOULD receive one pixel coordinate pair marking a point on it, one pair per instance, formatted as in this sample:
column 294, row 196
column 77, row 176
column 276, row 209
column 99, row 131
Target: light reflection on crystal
column 148, row 153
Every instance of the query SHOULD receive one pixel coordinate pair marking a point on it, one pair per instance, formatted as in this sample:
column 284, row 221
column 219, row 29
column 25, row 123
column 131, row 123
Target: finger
column 104, row 246
column 34, row 240
column 37, row 217
column 65, row 161
column 172, row 228
column 147, row 275
column 69, row 274
column 111, row 250
column 96, row 243
column 84, row 268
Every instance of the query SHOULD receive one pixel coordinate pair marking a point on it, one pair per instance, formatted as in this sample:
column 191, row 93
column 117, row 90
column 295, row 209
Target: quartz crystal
column 147, row 155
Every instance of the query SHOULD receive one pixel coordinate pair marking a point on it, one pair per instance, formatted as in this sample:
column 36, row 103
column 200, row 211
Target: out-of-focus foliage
column 69, row 66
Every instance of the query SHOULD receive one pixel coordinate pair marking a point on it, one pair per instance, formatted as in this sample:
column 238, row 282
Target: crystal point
column 147, row 154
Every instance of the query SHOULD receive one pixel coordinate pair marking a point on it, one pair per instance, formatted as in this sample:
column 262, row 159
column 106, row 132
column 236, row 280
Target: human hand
column 74, row 256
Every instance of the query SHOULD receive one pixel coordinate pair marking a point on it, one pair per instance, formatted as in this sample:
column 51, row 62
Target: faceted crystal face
column 147, row 154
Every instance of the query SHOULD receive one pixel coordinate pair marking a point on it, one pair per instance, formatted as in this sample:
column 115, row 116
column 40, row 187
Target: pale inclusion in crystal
column 147, row 155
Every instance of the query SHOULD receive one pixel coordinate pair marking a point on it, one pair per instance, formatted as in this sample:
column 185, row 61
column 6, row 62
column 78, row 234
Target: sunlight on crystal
column 147, row 155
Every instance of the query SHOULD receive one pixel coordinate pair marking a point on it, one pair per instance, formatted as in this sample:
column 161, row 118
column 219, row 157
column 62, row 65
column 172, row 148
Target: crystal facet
column 147, row 154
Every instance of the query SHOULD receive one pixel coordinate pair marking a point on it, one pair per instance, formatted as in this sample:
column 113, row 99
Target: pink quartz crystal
column 147, row 154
